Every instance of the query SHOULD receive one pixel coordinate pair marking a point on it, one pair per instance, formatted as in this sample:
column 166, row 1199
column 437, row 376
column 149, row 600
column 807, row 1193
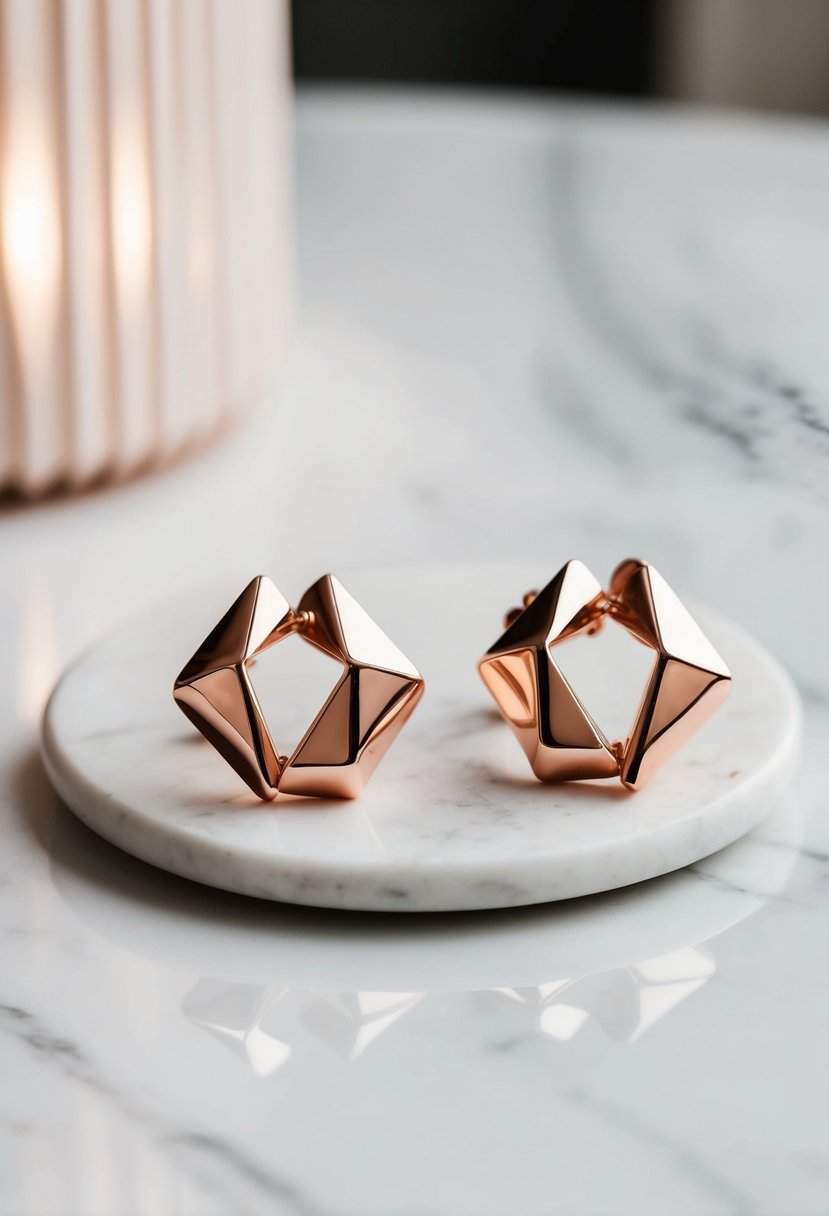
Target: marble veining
column 739, row 396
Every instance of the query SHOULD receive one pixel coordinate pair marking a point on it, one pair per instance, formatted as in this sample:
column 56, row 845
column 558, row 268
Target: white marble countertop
column 528, row 332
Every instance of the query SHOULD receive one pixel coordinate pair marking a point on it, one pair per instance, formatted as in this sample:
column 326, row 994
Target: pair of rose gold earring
column 379, row 687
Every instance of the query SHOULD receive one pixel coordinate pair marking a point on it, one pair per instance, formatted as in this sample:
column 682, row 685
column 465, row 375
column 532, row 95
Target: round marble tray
column 452, row 819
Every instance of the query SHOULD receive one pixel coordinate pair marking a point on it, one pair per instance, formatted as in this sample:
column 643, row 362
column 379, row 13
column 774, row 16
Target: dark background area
column 755, row 54
column 575, row 46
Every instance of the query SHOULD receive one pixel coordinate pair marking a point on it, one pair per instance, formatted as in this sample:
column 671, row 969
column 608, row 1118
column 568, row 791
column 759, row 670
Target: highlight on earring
column 688, row 681
column 375, row 695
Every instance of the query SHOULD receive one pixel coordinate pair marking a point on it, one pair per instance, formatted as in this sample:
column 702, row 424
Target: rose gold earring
column 688, row 683
column 375, row 695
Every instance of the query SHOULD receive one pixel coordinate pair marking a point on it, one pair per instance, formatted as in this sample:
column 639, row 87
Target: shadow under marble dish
column 452, row 819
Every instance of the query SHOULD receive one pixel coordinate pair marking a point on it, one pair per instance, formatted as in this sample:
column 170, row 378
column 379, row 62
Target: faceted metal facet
column 689, row 681
column 558, row 735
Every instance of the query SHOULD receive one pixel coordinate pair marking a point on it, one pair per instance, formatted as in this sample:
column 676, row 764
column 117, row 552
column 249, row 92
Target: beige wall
column 768, row 54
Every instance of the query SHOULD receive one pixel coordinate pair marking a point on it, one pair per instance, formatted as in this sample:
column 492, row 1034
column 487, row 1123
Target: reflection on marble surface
column 268, row 1027
column 273, row 1029
column 625, row 1002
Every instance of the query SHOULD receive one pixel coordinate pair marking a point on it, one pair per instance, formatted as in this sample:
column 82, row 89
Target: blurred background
column 768, row 54
column 147, row 179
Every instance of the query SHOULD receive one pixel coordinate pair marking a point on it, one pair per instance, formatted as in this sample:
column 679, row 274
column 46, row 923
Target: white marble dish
column 452, row 819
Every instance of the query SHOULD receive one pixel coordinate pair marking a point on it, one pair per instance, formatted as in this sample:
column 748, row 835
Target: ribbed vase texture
column 143, row 259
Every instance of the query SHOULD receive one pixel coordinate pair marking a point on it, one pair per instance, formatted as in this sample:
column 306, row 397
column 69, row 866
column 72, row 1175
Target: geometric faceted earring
column 376, row 693
column 687, row 684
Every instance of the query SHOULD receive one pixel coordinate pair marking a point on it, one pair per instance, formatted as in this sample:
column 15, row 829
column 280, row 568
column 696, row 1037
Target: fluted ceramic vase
column 143, row 264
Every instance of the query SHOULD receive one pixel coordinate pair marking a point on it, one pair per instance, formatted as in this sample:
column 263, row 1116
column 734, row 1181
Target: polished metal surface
column 373, row 698
column 688, row 682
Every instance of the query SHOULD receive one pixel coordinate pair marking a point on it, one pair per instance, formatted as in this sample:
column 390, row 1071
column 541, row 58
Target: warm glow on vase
column 31, row 242
column 143, row 167
column 131, row 231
